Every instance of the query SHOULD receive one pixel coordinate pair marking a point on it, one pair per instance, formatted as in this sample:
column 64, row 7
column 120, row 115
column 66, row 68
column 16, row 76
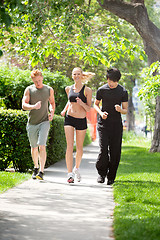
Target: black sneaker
column 40, row 176
column 101, row 179
column 35, row 172
column 110, row 182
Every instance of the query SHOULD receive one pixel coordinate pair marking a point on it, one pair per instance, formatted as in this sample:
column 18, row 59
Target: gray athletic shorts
column 38, row 134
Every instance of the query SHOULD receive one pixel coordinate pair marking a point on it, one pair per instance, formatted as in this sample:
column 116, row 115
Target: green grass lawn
column 11, row 179
column 137, row 192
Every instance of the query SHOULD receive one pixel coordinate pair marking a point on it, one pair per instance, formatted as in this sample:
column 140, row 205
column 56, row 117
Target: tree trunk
column 156, row 137
column 130, row 115
column 135, row 13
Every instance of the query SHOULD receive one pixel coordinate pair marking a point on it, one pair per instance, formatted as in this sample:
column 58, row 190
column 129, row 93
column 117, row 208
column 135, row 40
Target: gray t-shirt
column 37, row 116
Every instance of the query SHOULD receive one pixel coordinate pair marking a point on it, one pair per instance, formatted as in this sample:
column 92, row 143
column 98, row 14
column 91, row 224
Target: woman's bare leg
column 80, row 135
column 69, row 132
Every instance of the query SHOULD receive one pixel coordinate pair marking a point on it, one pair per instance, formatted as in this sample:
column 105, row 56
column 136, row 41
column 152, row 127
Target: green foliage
column 151, row 79
column 4, row 15
column 50, row 22
column 150, row 88
column 67, row 26
column 136, row 192
column 14, row 144
column 13, row 82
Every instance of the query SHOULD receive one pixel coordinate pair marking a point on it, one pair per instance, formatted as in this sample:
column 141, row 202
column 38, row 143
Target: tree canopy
column 48, row 28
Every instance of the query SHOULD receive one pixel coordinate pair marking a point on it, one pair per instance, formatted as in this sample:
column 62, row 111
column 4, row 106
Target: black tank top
column 72, row 95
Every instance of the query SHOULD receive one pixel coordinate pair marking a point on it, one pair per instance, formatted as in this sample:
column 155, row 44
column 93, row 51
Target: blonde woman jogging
column 79, row 103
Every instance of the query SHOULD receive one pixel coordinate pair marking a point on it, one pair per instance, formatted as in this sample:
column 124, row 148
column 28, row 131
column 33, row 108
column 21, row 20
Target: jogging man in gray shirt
column 35, row 99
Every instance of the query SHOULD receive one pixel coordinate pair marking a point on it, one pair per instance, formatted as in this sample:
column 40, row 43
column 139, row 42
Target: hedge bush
column 14, row 144
column 13, row 82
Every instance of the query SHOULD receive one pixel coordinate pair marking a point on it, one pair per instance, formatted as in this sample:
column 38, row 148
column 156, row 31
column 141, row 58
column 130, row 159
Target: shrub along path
column 54, row 210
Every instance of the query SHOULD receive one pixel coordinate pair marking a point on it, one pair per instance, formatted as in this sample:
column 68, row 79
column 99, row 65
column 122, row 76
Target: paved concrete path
column 55, row 210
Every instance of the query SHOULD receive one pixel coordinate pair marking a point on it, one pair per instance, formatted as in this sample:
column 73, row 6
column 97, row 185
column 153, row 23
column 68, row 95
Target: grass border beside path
column 137, row 192
column 11, row 179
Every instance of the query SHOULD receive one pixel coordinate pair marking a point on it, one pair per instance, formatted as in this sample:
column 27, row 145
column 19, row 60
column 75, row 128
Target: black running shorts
column 77, row 123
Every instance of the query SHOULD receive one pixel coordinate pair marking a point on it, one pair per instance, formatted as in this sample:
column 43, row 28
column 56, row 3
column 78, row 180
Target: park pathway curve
column 55, row 210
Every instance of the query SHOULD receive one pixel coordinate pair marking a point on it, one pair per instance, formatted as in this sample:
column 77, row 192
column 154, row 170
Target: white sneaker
column 76, row 172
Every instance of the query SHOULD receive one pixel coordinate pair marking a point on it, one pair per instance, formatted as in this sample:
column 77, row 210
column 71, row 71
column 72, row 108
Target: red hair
column 36, row 73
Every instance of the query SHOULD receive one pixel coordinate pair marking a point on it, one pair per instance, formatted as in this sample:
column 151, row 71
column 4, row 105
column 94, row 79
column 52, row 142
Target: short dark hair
column 113, row 74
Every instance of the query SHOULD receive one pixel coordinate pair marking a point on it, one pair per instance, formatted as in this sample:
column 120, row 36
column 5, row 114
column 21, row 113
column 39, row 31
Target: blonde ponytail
column 87, row 76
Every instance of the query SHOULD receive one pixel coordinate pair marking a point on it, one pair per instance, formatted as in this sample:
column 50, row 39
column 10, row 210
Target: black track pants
column 110, row 141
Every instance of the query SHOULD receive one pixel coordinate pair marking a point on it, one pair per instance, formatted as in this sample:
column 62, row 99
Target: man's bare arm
column 97, row 108
column 52, row 105
column 25, row 102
